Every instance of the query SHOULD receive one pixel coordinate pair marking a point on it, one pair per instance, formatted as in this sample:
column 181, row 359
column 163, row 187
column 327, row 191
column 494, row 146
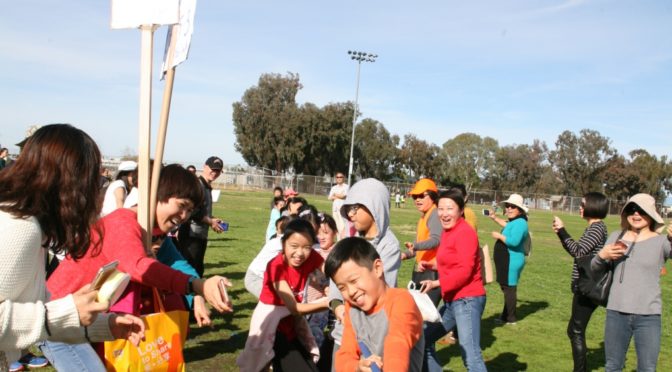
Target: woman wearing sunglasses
column 637, row 254
column 509, row 253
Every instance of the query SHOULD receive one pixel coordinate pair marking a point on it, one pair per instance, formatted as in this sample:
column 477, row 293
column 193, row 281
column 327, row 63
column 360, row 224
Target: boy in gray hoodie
column 367, row 206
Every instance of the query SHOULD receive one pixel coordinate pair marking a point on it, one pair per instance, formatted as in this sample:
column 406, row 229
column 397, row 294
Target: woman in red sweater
column 178, row 192
column 459, row 266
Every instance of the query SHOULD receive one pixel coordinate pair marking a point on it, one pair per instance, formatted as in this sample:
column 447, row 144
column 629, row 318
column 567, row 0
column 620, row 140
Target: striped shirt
column 590, row 243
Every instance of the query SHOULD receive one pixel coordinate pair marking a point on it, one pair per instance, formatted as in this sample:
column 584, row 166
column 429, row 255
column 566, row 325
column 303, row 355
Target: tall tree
column 643, row 172
column 419, row 158
column 519, row 167
column 581, row 160
column 468, row 158
column 326, row 132
column 375, row 149
column 266, row 123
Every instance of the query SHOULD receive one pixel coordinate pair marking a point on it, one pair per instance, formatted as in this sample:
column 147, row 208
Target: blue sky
column 513, row 70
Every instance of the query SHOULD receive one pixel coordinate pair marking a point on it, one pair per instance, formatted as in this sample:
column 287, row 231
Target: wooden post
column 145, row 127
column 163, row 128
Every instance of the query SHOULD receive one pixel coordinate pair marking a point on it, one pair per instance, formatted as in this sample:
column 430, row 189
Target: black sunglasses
column 631, row 208
column 419, row 196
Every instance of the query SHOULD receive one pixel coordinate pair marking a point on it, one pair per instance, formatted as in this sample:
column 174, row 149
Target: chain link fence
column 320, row 185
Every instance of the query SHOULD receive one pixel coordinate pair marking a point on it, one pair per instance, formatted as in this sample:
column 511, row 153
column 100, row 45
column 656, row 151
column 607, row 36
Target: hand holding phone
column 102, row 274
column 223, row 291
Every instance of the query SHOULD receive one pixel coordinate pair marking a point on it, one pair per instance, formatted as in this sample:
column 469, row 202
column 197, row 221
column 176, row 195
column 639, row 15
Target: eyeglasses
column 156, row 238
column 340, row 177
column 352, row 209
column 509, row 206
column 631, row 208
column 419, row 196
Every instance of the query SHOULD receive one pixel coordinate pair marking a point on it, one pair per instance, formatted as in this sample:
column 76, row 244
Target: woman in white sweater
column 48, row 199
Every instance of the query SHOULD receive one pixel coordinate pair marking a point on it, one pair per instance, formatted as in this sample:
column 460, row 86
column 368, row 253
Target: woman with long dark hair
column 48, row 200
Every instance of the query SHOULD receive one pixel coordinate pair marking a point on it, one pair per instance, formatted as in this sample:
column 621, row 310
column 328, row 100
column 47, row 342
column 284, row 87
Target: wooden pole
column 163, row 126
column 144, row 133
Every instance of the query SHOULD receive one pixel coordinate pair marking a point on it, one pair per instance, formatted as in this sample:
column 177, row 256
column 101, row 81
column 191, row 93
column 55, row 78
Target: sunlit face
column 277, row 193
column 422, row 202
column 172, row 213
column 511, row 211
column 449, row 213
column 210, row 174
column 297, row 248
column 340, row 178
column 360, row 286
column 362, row 219
column 280, row 204
column 326, row 236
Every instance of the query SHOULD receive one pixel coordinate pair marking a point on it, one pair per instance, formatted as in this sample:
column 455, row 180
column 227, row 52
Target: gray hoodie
column 374, row 195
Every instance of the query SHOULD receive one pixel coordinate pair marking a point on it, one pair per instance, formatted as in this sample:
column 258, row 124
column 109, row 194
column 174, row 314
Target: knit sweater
column 23, row 294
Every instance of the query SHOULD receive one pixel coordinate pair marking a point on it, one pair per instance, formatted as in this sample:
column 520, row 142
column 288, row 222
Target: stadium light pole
column 359, row 57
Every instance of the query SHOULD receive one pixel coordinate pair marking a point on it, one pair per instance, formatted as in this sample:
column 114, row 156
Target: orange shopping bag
column 165, row 333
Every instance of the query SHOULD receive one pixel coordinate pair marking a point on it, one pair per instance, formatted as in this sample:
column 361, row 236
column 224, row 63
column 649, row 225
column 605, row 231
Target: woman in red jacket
column 459, row 266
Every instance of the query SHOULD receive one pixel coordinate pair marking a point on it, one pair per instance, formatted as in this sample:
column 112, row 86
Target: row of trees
column 273, row 131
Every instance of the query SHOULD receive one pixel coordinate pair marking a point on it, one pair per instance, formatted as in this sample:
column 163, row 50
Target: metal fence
column 320, row 185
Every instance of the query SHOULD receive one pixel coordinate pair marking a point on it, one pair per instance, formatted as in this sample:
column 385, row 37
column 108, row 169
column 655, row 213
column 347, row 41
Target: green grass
column 537, row 343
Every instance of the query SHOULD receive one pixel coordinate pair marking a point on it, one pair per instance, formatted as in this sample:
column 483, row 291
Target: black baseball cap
column 214, row 163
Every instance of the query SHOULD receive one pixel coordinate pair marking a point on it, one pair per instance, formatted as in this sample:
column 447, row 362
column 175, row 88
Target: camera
column 486, row 212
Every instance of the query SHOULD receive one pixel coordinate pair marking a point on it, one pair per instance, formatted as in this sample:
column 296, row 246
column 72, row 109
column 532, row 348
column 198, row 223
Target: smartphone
column 103, row 273
column 627, row 245
column 223, row 292
column 486, row 212
column 224, row 225
column 367, row 353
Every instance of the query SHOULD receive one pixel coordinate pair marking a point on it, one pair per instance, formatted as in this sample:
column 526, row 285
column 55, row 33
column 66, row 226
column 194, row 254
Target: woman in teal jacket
column 509, row 253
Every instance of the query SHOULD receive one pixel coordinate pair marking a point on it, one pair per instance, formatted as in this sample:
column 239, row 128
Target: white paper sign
column 182, row 33
column 135, row 13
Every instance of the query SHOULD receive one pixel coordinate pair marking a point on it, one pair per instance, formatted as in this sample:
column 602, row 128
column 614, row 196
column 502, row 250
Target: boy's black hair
column 281, row 224
column 596, row 206
column 354, row 248
column 299, row 226
column 278, row 188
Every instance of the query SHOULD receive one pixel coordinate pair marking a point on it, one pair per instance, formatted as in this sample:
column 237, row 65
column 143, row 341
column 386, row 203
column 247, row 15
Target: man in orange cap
column 425, row 195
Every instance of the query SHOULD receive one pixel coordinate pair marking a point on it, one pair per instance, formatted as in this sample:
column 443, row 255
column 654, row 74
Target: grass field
column 537, row 343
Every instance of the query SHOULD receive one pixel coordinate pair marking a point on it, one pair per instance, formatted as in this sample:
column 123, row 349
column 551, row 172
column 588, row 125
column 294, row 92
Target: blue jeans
column 619, row 328
column 72, row 357
column 466, row 314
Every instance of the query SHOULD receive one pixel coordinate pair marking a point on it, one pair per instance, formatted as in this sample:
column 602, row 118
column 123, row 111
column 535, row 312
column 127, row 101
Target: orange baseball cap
column 423, row 185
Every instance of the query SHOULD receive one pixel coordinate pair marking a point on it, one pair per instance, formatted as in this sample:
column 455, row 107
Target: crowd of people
column 326, row 284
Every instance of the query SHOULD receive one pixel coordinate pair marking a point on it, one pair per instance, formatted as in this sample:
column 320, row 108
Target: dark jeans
column 193, row 250
column 620, row 328
column 582, row 310
column 510, row 299
column 291, row 356
column 434, row 294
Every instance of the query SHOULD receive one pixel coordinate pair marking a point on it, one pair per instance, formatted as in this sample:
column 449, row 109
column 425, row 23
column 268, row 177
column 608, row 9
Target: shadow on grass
column 219, row 238
column 506, row 362
column 209, row 349
column 595, row 357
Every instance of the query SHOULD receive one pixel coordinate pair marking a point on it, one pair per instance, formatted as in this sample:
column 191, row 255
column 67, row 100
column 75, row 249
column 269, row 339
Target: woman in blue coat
column 509, row 253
